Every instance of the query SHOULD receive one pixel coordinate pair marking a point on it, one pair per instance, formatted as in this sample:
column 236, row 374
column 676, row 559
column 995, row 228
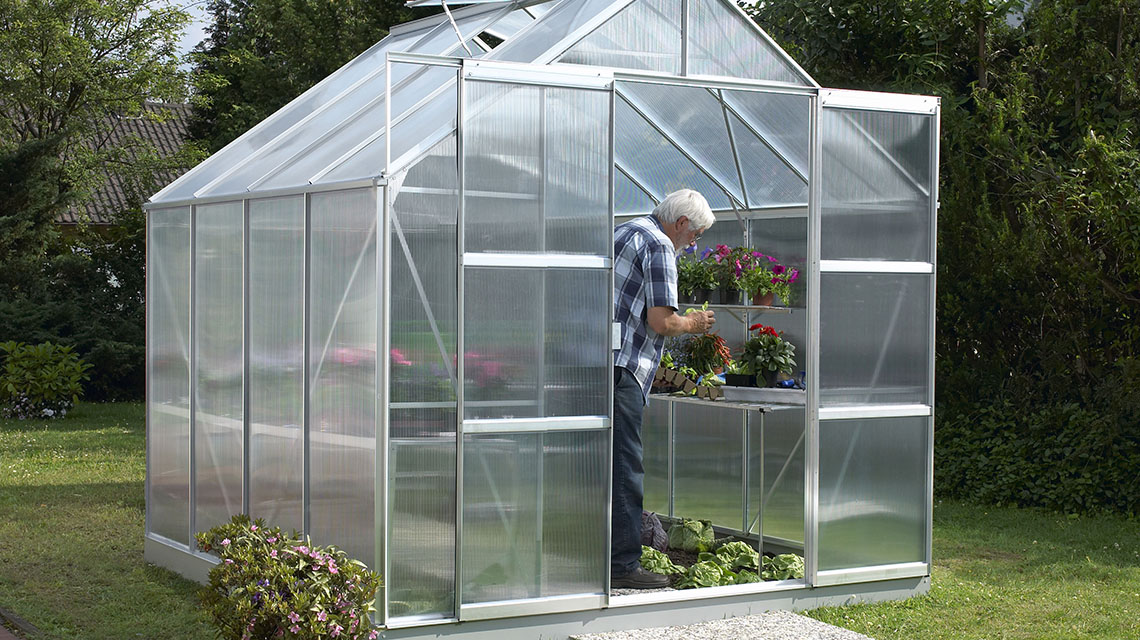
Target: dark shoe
column 639, row 579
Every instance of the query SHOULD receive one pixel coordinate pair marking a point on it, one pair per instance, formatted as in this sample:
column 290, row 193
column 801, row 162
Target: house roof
column 167, row 133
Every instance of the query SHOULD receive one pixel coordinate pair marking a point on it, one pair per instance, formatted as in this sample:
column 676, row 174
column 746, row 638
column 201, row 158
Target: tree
column 261, row 54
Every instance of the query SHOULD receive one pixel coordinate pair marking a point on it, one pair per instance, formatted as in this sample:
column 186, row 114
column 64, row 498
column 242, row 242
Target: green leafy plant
column 738, row 555
column 657, row 562
column 694, row 273
column 706, row 352
column 705, row 574
column 757, row 273
column 693, row 536
column 272, row 585
column 767, row 353
column 786, row 566
column 40, row 381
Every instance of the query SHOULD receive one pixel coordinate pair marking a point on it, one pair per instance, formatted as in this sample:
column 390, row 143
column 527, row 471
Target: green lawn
column 71, row 531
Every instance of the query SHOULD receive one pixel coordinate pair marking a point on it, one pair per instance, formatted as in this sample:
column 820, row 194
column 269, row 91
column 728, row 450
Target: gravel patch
column 774, row 625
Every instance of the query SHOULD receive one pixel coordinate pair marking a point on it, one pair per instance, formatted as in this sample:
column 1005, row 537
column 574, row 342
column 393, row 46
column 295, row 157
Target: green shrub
column 39, row 381
column 273, row 585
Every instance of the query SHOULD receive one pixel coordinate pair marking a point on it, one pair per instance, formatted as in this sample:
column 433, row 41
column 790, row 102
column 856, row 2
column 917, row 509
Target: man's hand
column 700, row 321
column 667, row 322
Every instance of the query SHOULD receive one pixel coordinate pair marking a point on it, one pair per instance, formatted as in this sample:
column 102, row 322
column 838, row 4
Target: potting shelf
column 741, row 307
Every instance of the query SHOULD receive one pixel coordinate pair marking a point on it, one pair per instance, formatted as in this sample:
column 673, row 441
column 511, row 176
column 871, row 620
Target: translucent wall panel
column 708, row 467
column 630, row 198
column 877, row 179
column 423, row 282
column 534, row 516
column 523, row 360
column 768, row 179
column 783, row 235
column 694, row 119
column 277, row 360
column 875, row 341
column 342, row 370
column 644, row 35
column 655, row 455
column 782, row 497
column 537, row 169
column 873, row 491
column 421, row 533
column 723, row 42
column 657, row 163
column 536, row 43
column 510, row 24
column 781, row 119
column 168, row 373
column 219, row 326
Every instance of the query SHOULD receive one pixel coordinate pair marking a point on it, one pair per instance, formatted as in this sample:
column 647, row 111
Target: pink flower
column 771, row 259
column 293, row 617
column 301, row 549
column 294, row 629
column 335, row 629
column 226, row 542
column 322, row 616
column 253, row 527
column 373, row 634
column 271, row 540
column 229, row 561
column 273, row 553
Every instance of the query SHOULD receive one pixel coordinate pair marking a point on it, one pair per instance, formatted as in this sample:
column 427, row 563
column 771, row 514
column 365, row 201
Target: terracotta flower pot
column 763, row 300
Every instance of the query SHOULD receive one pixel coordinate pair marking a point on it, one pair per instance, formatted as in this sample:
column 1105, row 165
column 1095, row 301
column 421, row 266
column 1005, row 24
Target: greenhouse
column 382, row 317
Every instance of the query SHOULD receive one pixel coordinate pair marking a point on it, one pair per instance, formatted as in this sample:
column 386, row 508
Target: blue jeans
column 628, row 474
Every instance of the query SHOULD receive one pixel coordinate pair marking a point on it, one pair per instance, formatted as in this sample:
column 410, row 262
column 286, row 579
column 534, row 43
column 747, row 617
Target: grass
column 71, row 531
column 1007, row 573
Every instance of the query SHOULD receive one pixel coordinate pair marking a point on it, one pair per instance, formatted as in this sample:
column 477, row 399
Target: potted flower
column 736, row 374
column 761, row 279
column 706, row 353
column 723, row 265
column 767, row 354
column 695, row 277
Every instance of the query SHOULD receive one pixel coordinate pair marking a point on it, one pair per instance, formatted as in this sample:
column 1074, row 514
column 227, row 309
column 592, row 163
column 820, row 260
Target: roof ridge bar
column 670, row 139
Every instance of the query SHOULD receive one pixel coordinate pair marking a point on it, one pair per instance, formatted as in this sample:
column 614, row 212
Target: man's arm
column 667, row 322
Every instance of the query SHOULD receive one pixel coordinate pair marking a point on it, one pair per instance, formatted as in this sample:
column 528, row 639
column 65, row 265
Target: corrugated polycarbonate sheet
column 656, row 162
column 218, row 326
column 630, row 198
column 782, row 120
column 522, row 360
column 877, row 184
column 708, row 469
column 694, row 118
column 655, row 455
column 644, row 35
column 722, row 43
column 425, row 211
column 784, row 237
column 277, row 360
column 537, row 41
column 782, row 499
column 510, row 24
column 875, row 340
column 576, row 151
column 768, row 179
column 534, row 515
column 168, row 373
column 342, row 370
column 421, row 543
column 873, row 491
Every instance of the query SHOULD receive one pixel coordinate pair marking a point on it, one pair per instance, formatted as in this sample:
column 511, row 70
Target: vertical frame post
column 460, row 367
column 811, row 450
column 306, row 395
column 193, row 352
column 383, row 371
column 935, row 205
column 245, row 322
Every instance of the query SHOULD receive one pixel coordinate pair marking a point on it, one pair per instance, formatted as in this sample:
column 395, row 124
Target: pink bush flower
column 322, row 616
column 226, row 542
column 293, row 617
column 294, row 629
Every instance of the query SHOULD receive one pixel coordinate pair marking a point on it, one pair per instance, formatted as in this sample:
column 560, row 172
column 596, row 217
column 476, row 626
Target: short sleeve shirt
column 645, row 276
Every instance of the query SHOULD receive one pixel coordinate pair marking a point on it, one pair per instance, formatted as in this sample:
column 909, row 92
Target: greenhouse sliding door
column 878, row 198
column 535, row 296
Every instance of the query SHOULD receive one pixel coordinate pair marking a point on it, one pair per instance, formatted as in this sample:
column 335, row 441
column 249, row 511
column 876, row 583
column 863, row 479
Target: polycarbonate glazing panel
column 534, row 515
column 277, row 360
column 655, row 455
column 655, row 162
column 755, row 471
column 218, row 338
column 565, row 18
column 708, row 481
column 877, row 179
column 629, row 198
column 780, row 119
column 342, row 370
column 525, row 361
column 875, row 341
column 694, row 119
column 421, row 543
column 168, row 373
column 644, row 35
column 873, row 491
column 782, row 498
column 576, row 146
column 427, row 125
column 425, row 211
column 784, row 237
column 723, row 43
column 510, row 24
column 323, row 96
column 768, row 179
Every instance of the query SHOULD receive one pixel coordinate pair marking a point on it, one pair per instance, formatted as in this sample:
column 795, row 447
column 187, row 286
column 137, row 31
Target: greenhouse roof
column 335, row 132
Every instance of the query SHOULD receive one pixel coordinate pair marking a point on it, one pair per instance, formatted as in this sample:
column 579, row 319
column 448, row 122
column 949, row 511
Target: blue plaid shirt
column 645, row 276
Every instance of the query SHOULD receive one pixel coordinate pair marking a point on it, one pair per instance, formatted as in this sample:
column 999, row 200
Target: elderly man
column 645, row 305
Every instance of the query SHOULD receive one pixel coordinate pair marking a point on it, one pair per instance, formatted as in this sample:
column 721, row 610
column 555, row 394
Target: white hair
column 688, row 203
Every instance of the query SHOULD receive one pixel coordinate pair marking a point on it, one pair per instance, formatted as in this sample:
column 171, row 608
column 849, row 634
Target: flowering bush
column 757, row 273
column 704, row 353
column 766, row 353
column 273, row 585
column 39, row 381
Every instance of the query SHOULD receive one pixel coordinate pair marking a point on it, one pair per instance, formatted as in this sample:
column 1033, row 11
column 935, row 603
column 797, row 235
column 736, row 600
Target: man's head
column 685, row 216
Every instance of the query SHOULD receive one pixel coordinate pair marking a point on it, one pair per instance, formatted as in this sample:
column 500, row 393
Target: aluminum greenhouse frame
column 382, row 317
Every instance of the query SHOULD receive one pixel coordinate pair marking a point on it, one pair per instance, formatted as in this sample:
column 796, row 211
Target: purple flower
column 778, row 269
column 705, row 253
column 691, row 248
column 739, row 269
column 771, row 259
column 757, row 254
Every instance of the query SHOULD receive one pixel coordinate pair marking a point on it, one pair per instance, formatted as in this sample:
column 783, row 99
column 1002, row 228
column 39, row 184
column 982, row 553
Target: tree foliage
column 260, row 54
